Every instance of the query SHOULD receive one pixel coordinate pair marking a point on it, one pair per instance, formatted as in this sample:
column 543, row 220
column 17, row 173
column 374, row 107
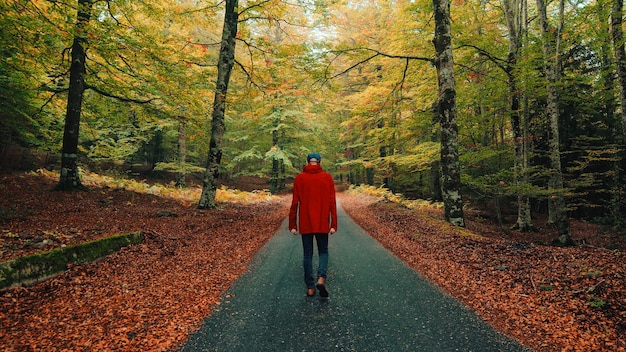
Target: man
column 315, row 209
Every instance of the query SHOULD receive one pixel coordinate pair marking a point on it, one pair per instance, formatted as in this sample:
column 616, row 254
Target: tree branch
column 376, row 53
column 117, row 97
column 501, row 63
column 260, row 4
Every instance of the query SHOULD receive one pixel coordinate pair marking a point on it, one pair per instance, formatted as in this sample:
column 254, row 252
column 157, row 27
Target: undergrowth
column 384, row 194
column 188, row 196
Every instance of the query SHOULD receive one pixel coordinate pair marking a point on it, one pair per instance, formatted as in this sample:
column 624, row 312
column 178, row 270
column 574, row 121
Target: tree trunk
column 369, row 174
column 620, row 56
column 182, row 155
column 224, row 68
column 156, row 152
column 514, row 11
column 435, row 181
column 551, row 70
column 620, row 59
column 382, row 152
column 282, row 184
column 446, row 114
column 275, row 172
column 70, row 176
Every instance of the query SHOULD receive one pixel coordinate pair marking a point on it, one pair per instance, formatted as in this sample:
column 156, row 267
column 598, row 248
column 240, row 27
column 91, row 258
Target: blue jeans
column 307, row 262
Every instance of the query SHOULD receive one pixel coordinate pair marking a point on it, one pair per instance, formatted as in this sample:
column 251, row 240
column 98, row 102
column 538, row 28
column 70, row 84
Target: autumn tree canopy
column 539, row 95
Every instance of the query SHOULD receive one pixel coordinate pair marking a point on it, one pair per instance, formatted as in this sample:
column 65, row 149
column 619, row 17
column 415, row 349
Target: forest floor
column 151, row 296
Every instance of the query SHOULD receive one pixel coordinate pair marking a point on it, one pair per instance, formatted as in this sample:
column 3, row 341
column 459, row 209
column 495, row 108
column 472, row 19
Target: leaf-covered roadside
column 146, row 297
column 549, row 298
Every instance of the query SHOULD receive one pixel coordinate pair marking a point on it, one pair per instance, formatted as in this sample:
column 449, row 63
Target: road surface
column 376, row 303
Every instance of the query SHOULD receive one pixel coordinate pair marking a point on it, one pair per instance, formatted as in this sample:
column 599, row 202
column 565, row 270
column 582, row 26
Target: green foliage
column 419, row 158
column 596, row 302
column 248, row 162
column 279, row 154
column 545, row 287
column 18, row 82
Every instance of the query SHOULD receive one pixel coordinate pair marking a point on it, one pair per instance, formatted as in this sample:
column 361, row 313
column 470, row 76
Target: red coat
column 313, row 203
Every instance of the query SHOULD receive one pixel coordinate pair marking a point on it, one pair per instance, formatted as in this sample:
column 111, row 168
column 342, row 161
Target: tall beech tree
column 118, row 74
column 515, row 16
column 617, row 33
column 446, row 115
column 551, row 68
column 225, row 64
column 70, row 177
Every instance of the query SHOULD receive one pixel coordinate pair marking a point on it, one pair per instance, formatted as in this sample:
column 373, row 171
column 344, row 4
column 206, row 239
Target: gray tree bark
column 552, row 70
column 224, row 68
column 515, row 11
column 446, row 114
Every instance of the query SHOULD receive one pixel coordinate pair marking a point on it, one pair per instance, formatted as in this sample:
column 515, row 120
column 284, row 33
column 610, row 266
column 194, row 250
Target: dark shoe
column 310, row 292
column 323, row 291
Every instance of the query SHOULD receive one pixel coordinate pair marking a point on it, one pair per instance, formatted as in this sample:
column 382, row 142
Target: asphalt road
column 376, row 303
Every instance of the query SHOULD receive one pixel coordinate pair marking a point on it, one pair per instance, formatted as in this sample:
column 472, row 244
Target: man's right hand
column 294, row 231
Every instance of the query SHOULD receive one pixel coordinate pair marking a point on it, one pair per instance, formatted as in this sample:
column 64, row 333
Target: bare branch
column 249, row 75
column 377, row 53
column 355, row 66
column 111, row 13
column 117, row 97
column 260, row 4
column 501, row 63
column 391, row 56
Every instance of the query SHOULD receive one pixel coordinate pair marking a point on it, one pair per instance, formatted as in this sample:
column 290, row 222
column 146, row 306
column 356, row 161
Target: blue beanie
column 313, row 156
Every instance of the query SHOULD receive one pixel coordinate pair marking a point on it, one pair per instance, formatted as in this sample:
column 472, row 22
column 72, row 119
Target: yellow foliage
column 187, row 196
column 385, row 194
